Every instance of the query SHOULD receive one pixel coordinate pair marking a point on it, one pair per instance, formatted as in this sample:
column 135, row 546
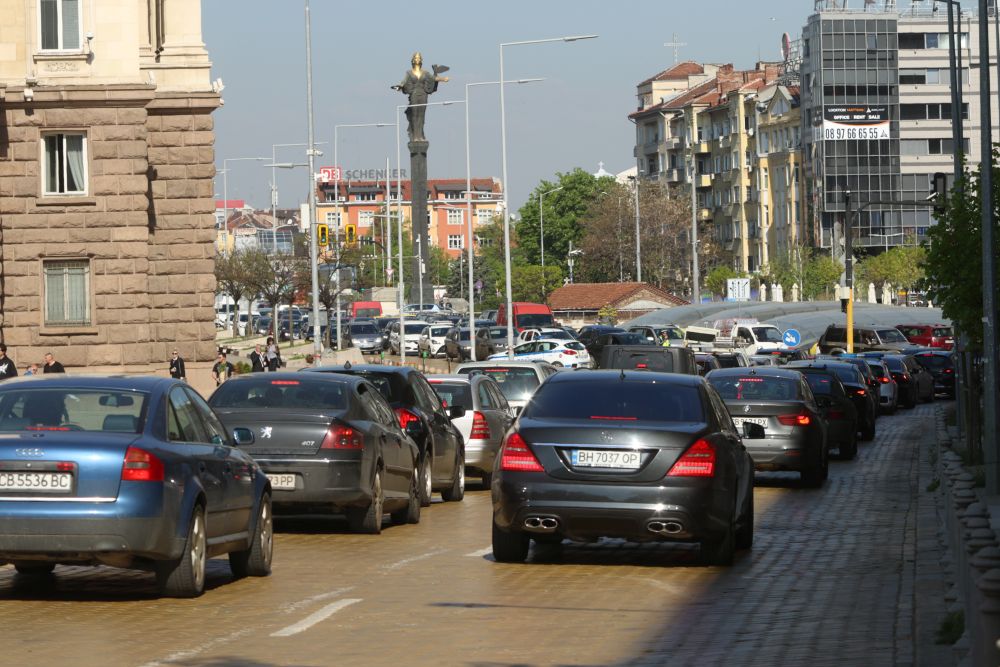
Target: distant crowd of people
column 8, row 369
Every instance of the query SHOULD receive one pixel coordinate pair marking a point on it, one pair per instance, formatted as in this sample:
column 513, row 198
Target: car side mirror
column 456, row 412
column 753, row 431
column 243, row 436
column 414, row 428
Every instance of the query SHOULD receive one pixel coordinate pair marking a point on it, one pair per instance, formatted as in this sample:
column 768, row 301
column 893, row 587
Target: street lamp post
column 274, row 190
column 311, row 151
column 506, row 200
column 638, row 242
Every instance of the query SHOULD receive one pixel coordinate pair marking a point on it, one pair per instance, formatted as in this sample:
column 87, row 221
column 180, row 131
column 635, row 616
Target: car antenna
column 347, row 365
column 622, row 376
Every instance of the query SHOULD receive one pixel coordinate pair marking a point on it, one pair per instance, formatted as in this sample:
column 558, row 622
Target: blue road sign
column 791, row 338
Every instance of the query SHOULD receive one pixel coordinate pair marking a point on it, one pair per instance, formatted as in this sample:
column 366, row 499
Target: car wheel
column 911, row 400
column 456, row 491
column 185, row 578
column 719, row 551
column 487, row 479
column 510, row 547
column 410, row 513
column 868, row 432
column 744, row 535
column 849, row 450
column 425, row 479
column 256, row 561
column 34, row 569
column 368, row 520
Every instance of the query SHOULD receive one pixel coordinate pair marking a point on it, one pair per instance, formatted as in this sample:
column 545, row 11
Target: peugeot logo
column 265, row 431
column 746, row 408
column 34, row 453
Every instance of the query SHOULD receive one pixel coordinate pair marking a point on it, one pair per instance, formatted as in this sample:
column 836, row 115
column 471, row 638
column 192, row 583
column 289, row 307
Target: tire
column 410, row 513
column 510, row 547
column 850, row 450
column 185, row 577
column 368, row 520
column 425, row 479
column 34, row 569
column 557, row 364
column 744, row 535
column 814, row 477
column 456, row 492
column 868, row 432
column 719, row 551
column 487, row 479
column 256, row 561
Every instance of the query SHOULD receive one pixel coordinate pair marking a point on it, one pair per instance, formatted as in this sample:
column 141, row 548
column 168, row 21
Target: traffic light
column 940, row 193
column 323, row 235
column 351, row 233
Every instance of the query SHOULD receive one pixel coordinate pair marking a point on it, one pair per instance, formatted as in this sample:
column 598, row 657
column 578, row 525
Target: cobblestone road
column 829, row 582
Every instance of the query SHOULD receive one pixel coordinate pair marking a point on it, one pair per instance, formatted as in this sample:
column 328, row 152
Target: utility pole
column 849, row 270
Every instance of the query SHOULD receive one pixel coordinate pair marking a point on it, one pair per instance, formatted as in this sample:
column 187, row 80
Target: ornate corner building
column 106, row 168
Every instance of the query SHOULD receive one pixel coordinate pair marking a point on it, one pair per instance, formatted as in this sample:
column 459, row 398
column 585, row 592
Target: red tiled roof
column 434, row 185
column 230, row 203
column 593, row 296
column 680, row 101
column 678, row 71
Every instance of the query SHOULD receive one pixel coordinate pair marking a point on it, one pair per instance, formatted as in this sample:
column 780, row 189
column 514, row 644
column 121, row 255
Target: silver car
column 518, row 380
column 888, row 390
column 487, row 418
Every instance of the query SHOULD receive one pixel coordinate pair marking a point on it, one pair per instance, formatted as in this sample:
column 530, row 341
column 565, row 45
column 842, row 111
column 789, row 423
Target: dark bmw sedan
column 793, row 430
column 328, row 443
column 628, row 454
column 856, row 387
column 131, row 472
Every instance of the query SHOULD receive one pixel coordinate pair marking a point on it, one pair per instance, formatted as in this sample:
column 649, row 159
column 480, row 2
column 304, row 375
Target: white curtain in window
column 74, row 159
column 76, row 293
column 71, row 24
column 55, row 294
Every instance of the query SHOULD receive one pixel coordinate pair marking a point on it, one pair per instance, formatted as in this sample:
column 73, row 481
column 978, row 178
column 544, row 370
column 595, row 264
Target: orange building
column 362, row 203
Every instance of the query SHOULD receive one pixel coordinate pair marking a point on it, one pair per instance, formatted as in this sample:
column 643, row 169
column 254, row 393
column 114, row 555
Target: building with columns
column 106, row 168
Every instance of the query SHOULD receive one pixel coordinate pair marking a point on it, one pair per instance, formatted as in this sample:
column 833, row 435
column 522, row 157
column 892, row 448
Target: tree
column 819, row 272
column 275, row 278
column 716, row 280
column 233, row 278
column 533, row 283
column 902, row 266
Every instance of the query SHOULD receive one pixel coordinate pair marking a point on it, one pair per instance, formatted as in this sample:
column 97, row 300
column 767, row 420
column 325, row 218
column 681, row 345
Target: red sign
column 328, row 174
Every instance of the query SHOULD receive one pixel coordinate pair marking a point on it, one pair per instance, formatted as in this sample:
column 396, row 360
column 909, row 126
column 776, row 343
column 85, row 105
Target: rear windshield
column 367, row 312
column 533, row 320
column 821, row 383
column 263, row 392
column 847, row 374
column 891, row 336
column 738, row 388
column 877, row 370
column 440, row 331
column 767, row 334
column 656, row 359
column 616, row 401
column 728, row 360
column 55, row 409
column 516, row 383
column 463, row 334
column 942, row 332
column 628, row 338
column 895, row 364
column 934, row 361
column 498, row 332
column 415, row 328
column 454, row 393
column 574, row 345
column 359, row 329
column 392, row 386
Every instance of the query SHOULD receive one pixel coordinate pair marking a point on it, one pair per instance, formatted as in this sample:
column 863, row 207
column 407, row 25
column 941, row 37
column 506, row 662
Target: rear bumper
column 480, row 454
column 586, row 512
column 326, row 483
column 783, row 453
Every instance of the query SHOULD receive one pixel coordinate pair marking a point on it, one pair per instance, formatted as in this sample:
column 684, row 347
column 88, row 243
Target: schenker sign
column 330, row 174
column 864, row 122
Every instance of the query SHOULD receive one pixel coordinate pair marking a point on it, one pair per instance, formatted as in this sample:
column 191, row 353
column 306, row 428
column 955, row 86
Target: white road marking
column 314, row 618
column 407, row 561
column 182, row 656
column 289, row 607
column 479, row 554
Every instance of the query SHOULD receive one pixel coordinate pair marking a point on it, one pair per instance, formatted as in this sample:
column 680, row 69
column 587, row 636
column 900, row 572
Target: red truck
column 526, row 315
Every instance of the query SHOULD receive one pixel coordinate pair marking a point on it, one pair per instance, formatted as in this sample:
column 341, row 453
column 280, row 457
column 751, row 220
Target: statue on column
column 418, row 84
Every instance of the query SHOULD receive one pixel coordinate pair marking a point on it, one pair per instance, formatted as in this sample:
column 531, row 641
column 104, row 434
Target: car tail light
column 480, row 428
column 340, row 436
column 860, row 392
column 141, row 466
column 697, row 461
column 405, row 417
column 884, row 380
column 571, row 353
column 906, row 377
column 948, row 371
column 801, row 419
column 641, row 366
column 518, row 457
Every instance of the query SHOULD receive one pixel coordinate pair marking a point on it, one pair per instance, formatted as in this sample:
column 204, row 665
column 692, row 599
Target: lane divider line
column 407, row 561
column 316, row 617
column 479, row 554
column 294, row 606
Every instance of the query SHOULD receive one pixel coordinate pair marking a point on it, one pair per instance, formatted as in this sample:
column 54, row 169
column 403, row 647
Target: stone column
column 182, row 28
column 418, row 223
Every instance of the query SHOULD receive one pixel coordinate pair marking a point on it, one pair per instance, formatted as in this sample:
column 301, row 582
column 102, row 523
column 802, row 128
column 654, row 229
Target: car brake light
column 906, row 377
column 518, row 457
column 948, row 370
column 641, row 366
column 801, row 419
column 884, row 380
column 697, row 461
column 861, row 392
column 571, row 353
column 141, row 466
column 405, row 417
column 340, row 436
column 480, row 427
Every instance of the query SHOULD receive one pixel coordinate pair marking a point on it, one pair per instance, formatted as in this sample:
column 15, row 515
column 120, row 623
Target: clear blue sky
column 575, row 118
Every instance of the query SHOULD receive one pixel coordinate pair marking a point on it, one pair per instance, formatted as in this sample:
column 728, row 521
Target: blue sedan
column 131, row 472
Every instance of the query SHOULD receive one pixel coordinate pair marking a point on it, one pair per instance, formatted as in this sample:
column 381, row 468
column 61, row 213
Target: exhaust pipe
column 665, row 527
column 540, row 524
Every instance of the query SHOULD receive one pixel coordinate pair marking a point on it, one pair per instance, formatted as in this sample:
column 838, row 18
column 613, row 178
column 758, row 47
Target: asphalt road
column 824, row 584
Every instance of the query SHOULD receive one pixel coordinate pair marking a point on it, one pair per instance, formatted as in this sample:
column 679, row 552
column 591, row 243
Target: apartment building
column 106, row 167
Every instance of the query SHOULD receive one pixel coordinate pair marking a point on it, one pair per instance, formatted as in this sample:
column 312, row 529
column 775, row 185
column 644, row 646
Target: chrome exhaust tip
column 541, row 524
column 665, row 527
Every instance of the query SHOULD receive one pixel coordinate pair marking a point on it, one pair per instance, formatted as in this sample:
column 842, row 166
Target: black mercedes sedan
column 856, row 387
column 629, row 454
column 328, row 443
column 794, row 432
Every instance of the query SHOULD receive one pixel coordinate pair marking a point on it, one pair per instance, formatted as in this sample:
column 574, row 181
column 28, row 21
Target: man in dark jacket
column 257, row 360
column 51, row 365
column 177, row 367
column 7, row 367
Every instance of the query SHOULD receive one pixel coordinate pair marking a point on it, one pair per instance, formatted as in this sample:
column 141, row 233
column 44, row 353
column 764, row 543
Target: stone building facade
column 106, row 194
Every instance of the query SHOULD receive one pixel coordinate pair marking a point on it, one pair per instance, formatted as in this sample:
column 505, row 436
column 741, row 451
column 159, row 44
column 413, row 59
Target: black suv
column 866, row 339
column 423, row 417
column 857, row 390
column 941, row 366
column 649, row 358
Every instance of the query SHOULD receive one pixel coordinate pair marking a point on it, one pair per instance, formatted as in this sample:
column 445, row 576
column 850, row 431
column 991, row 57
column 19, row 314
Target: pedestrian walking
column 51, row 365
column 7, row 367
column 177, row 370
column 273, row 355
column 222, row 370
column 257, row 360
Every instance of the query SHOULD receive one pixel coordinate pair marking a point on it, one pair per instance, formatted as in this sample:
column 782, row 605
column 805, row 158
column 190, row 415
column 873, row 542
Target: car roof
column 361, row 368
column 499, row 363
column 337, row 376
column 758, row 371
column 645, row 377
column 455, row 379
column 822, row 364
column 97, row 381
